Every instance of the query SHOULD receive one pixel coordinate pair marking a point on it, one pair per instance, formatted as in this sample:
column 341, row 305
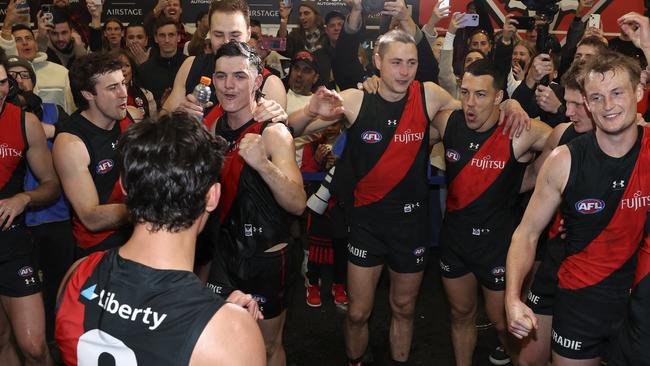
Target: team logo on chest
column 392, row 123
column 452, row 155
column 618, row 185
column 473, row 146
column 371, row 137
column 590, row 206
column 105, row 166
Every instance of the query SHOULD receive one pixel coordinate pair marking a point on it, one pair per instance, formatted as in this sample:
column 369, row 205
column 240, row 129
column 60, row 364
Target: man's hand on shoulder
column 270, row 110
column 515, row 118
column 247, row 302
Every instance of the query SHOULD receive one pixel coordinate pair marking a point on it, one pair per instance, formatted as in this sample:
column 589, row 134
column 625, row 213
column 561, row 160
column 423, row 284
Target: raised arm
column 325, row 107
column 71, row 160
column 177, row 95
column 545, row 200
column 273, row 156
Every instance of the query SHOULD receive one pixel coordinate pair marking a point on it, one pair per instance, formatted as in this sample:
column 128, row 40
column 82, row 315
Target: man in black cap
column 302, row 78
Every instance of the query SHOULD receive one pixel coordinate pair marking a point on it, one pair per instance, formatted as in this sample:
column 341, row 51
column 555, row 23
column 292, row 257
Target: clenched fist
column 252, row 150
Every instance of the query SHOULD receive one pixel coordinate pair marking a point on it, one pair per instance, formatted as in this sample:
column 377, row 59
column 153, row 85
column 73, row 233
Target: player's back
column 114, row 308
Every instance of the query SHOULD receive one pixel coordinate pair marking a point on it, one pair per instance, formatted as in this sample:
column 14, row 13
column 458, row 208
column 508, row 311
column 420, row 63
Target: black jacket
column 158, row 73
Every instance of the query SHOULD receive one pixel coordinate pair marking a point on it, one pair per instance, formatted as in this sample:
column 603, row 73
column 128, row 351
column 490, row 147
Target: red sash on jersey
column 643, row 261
column 555, row 227
column 70, row 313
column 398, row 158
column 231, row 171
column 472, row 181
column 12, row 142
column 213, row 116
column 85, row 238
column 618, row 242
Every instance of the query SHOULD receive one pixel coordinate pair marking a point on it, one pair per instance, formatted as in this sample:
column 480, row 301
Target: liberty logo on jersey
column 105, row 166
column 590, row 206
column 371, row 137
column 107, row 301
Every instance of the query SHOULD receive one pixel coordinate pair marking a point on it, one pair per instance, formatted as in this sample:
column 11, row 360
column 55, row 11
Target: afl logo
column 590, row 206
column 261, row 300
column 371, row 137
column 452, row 155
column 498, row 271
column 418, row 252
column 105, row 166
column 26, row 271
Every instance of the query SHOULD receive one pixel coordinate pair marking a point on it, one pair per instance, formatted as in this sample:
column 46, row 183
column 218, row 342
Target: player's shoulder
column 231, row 337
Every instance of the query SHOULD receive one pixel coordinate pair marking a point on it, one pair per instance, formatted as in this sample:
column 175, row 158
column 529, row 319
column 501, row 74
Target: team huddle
column 213, row 188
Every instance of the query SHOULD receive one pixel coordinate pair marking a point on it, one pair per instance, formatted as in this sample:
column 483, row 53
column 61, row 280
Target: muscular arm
column 71, row 160
column 40, row 162
column 531, row 140
column 545, row 200
column 39, row 159
column 177, row 94
column 440, row 104
column 325, row 112
column 231, row 338
column 280, row 171
column 551, row 143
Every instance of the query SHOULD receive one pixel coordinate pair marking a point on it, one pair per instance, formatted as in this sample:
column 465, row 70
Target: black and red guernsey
column 251, row 219
column 116, row 311
column 104, row 169
column 604, row 206
column 387, row 148
column 483, row 175
column 13, row 147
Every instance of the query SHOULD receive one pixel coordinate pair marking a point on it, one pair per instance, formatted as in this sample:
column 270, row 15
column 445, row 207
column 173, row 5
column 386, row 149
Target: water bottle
column 202, row 92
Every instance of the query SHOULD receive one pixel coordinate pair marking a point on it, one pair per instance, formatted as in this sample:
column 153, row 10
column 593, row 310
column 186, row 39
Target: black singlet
column 119, row 310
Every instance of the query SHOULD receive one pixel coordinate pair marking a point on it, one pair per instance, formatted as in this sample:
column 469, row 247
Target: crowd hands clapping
column 81, row 91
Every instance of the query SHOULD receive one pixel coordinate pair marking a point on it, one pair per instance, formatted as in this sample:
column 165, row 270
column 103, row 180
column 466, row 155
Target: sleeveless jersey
column 59, row 210
column 119, row 310
column 604, row 206
column 251, row 219
column 104, row 169
column 13, row 147
column 483, row 177
column 568, row 135
column 203, row 65
column 386, row 153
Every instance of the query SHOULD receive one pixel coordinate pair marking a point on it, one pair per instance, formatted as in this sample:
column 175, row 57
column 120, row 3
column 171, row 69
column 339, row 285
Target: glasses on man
column 23, row 74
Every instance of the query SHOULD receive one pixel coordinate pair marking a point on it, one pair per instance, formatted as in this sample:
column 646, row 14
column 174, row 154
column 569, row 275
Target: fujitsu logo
column 408, row 136
column 637, row 201
column 488, row 163
column 6, row 150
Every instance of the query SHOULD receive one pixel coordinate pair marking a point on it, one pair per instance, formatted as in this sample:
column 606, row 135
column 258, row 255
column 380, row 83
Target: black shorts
column 18, row 267
column 479, row 251
column 586, row 321
column 542, row 291
column 400, row 240
column 632, row 346
column 269, row 279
